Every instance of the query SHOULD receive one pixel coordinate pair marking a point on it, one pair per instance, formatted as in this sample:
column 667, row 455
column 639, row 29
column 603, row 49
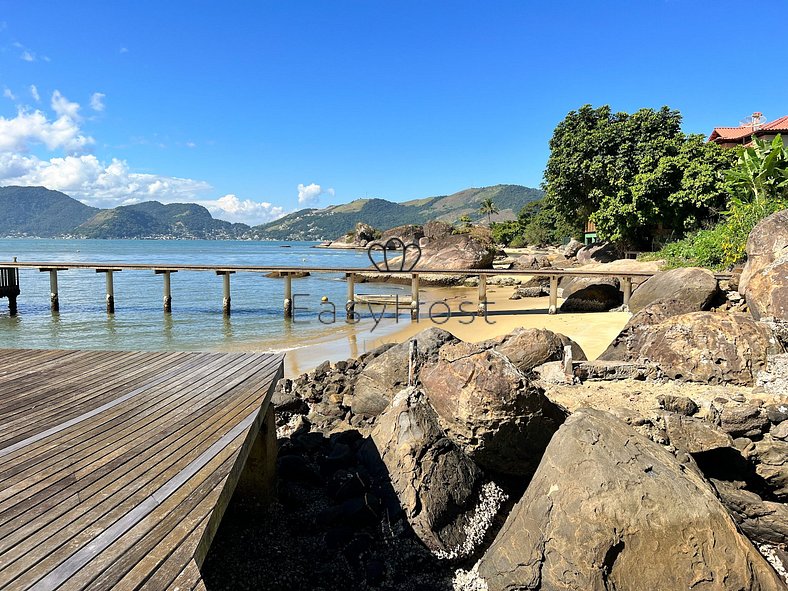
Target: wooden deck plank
column 117, row 486
column 47, row 536
column 193, row 423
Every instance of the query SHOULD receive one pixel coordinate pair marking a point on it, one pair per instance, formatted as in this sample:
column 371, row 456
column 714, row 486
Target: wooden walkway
column 116, row 467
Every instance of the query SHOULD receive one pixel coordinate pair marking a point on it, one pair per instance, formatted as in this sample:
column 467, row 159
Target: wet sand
column 593, row 331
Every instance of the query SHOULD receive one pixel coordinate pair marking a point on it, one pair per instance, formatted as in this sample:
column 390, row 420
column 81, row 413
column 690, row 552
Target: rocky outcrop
column 409, row 234
column 610, row 509
column 460, row 251
column 706, row 347
column 770, row 457
column 696, row 288
column 489, row 408
column 599, row 252
column 531, row 261
column 437, row 485
column 694, row 436
column 437, row 230
column 571, row 248
column 386, row 374
column 767, row 290
column 527, row 348
column 767, row 241
column 762, row 521
column 591, row 294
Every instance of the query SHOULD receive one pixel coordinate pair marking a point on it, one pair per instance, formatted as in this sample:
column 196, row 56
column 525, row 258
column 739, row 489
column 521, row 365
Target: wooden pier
column 116, row 467
column 9, row 286
column 626, row 279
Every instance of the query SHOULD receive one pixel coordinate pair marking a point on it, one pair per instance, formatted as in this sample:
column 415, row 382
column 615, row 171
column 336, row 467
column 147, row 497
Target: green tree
column 630, row 174
column 488, row 208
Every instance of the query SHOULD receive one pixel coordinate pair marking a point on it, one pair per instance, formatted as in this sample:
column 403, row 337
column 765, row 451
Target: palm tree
column 488, row 208
column 466, row 221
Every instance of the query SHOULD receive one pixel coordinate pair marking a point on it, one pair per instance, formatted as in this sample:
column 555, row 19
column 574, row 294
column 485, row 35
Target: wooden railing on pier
column 9, row 286
column 289, row 273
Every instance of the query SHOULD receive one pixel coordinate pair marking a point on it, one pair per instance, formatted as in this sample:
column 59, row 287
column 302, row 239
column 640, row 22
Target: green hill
column 36, row 211
column 334, row 221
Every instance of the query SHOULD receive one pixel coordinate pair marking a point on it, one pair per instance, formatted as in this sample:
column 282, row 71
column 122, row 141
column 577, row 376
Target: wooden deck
column 116, row 467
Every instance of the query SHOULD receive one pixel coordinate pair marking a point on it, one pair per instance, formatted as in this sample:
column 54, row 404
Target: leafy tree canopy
column 631, row 173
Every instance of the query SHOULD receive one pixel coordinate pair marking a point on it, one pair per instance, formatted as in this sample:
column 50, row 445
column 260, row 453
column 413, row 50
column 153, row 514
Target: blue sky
column 249, row 106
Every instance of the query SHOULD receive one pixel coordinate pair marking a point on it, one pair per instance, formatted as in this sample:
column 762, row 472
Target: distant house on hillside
column 730, row 137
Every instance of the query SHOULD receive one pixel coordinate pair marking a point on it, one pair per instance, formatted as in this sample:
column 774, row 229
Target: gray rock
column 706, row 347
column 591, row 294
column 766, row 242
column 678, row 404
column 571, row 249
column 527, row 292
column 610, row 509
column 386, row 374
column 765, row 522
column 743, row 420
column 693, row 435
column 599, row 252
column 615, row 370
column 437, row 485
column 527, row 348
column 780, row 431
column 696, row 288
column 770, row 456
column 489, row 408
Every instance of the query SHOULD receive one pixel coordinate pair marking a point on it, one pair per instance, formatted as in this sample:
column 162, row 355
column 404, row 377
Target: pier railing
column 10, row 269
column 9, row 286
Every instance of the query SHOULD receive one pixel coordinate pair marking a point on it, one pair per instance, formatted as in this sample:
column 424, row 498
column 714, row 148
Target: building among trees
column 753, row 126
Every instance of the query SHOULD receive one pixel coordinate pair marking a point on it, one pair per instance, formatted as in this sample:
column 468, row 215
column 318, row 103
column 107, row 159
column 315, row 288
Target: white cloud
column 34, row 93
column 233, row 209
column 310, row 194
column 124, row 50
column 19, row 133
column 91, row 181
column 8, row 94
column 85, row 177
column 28, row 56
column 97, row 101
column 191, row 145
column 64, row 107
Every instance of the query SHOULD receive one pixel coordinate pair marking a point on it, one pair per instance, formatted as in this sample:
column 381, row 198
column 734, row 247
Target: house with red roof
column 729, row 137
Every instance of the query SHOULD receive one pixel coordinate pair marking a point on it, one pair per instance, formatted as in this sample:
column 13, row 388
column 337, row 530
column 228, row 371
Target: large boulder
column 489, row 408
column 705, row 347
column 599, row 252
column 459, row 251
column 610, row 509
column 591, row 294
column 767, row 290
column 528, row 348
column 437, row 230
column 409, row 234
column 571, row 248
column 767, row 241
column 531, row 261
column 437, row 485
column 387, row 373
column 695, row 287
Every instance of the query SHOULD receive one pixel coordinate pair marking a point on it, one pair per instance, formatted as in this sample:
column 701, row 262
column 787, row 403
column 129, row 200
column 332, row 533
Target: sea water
column 197, row 322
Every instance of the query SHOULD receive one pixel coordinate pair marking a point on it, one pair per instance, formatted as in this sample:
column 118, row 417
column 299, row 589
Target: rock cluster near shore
column 515, row 463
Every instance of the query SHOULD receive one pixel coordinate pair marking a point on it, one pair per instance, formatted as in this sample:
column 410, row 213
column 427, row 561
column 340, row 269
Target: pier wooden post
column 414, row 297
column 553, row 303
column 166, row 289
column 482, row 309
column 288, row 304
column 226, row 307
column 110, row 289
column 626, row 287
column 350, row 305
column 54, row 299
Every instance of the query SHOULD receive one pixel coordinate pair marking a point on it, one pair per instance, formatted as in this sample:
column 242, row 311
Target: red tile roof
column 736, row 134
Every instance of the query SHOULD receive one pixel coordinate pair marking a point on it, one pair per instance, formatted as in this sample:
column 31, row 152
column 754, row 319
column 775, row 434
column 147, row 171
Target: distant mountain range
column 40, row 212
column 334, row 221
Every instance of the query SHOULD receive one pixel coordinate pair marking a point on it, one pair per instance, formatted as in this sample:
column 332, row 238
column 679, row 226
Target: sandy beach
column 593, row 331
